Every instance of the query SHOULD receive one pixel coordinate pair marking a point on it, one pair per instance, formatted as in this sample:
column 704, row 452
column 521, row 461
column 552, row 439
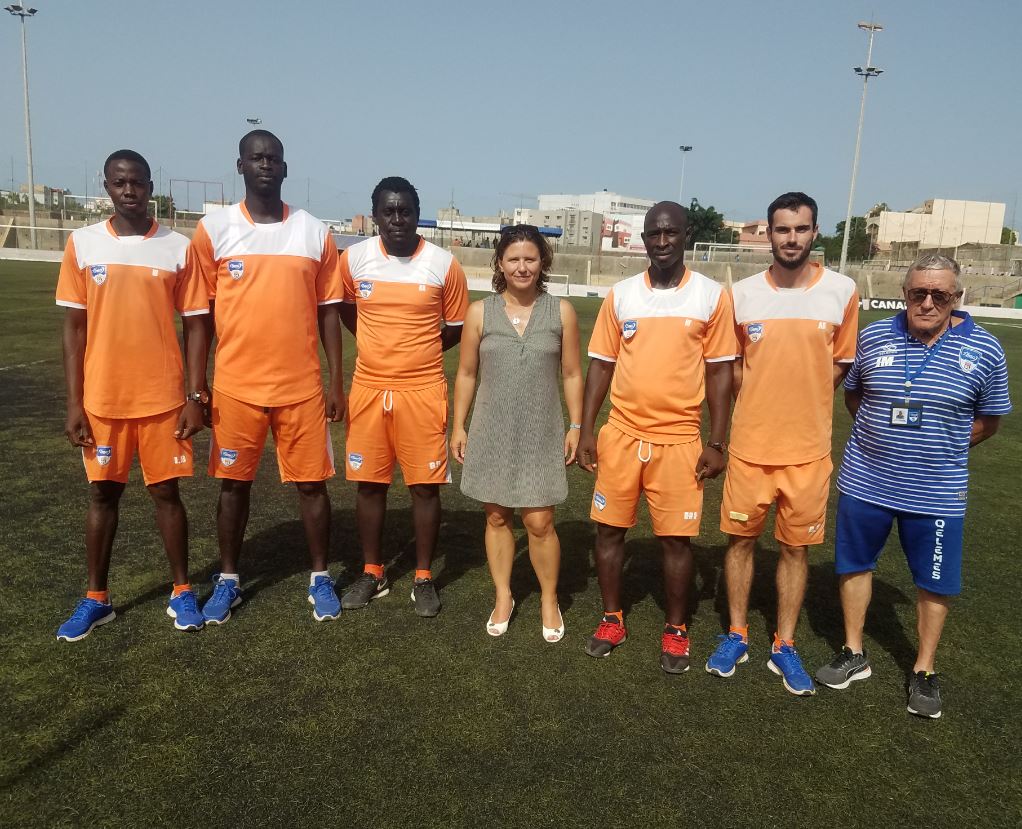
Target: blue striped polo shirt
column 920, row 470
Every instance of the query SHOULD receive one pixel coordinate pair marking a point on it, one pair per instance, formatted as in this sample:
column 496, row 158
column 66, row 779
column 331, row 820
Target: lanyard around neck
column 930, row 354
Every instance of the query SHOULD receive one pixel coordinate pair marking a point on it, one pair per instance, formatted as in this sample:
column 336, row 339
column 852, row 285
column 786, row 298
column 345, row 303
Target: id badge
column 908, row 415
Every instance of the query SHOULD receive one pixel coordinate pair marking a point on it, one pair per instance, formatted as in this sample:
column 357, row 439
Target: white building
column 604, row 202
column 581, row 228
column 939, row 223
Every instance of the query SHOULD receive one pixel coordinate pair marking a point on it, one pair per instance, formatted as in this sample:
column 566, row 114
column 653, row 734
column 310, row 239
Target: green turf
column 384, row 719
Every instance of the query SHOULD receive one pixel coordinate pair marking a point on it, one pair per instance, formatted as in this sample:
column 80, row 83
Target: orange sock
column 99, row 596
column 423, row 574
column 778, row 641
column 743, row 632
column 617, row 614
column 374, row 569
column 682, row 629
column 181, row 588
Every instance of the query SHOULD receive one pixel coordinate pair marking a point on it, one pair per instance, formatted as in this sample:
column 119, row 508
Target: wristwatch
column 198, row 396
column 716, row 444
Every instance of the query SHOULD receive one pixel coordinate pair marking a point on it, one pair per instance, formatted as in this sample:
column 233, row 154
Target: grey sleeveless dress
column 515, row 451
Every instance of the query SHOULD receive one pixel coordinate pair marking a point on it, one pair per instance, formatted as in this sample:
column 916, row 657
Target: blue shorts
column 932, row 544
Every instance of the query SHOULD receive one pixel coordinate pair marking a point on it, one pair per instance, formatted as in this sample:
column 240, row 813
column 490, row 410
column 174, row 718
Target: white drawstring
column 388, row 402
column 649, row 456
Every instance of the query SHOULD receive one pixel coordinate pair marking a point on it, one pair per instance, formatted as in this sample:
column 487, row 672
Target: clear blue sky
column 532, row 97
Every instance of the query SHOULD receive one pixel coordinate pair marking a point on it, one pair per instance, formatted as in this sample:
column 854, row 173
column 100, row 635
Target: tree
column 705, row 224
column 164, row 205
column 859, row 244
column 1009, row 236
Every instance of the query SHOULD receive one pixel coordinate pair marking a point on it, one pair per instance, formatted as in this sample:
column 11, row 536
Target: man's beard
column 791, row 264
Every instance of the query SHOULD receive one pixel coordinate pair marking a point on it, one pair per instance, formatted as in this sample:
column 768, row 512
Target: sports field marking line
column 1005, row 324
column 23, row 365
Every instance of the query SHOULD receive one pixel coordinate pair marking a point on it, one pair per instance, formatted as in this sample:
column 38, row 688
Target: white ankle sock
column 232, row 577
column 315, row 573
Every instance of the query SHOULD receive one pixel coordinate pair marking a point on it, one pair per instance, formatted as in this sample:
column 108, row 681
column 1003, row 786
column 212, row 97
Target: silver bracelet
column 574, row 425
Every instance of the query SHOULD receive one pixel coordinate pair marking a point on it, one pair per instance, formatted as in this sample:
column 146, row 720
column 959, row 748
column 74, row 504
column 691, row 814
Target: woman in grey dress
column 518, row 342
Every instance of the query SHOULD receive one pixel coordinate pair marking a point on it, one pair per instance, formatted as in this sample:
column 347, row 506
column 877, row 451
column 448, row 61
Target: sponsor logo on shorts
column 968, row 358
column 179, row 459
column 600, row 501
column 738, row 516
column 355, row 460
column 435, row 464
column 98, row 273
column 228, row 456
column 365, row 289
column 755, row 331
column 629, row 328
column 103, row 454
column 236, row 268
column 691, row 516
column 938, row 548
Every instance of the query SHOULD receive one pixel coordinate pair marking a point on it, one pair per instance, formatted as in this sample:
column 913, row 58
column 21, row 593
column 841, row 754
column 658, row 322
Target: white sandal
column 500, row 628
column 556, row 634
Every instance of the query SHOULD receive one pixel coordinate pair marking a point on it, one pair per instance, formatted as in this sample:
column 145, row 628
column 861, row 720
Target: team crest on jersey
column 600, row 501
column 628, row 330
column 355, row 460
column 98, row 274
column 228, row 456
column 365, row 289
column 755, row 331
column 236, row 268
column 103, row 454
column 968, row 358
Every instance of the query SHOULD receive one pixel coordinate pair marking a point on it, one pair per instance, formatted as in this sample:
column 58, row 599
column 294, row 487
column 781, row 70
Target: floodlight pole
column 685, row 150
column 866, row 73
column 20, row 10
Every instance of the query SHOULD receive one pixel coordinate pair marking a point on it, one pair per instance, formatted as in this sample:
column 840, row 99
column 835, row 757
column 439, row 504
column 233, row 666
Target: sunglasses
column 519, row 229
column 941, row 299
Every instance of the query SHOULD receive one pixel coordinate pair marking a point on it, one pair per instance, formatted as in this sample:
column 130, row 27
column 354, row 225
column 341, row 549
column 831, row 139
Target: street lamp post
column 685, row 150
column 866, row 73
column 22, row 11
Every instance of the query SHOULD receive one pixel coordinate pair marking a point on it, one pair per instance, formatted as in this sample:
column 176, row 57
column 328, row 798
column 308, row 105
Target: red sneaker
column 674, row 651
column 609, row 634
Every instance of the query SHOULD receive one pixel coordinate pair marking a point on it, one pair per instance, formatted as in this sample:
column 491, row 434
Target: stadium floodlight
column 869, row 72
column 22, row 11
column 254, row 121
column 685, row 150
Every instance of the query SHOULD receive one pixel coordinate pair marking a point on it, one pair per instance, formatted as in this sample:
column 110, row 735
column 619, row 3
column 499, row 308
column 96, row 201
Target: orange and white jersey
column 790, row 339
column 401, row 303
column 130, row 287
column 660, row 340
column 267, row 281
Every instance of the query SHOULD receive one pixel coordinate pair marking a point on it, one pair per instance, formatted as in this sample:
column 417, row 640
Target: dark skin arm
column 196, row 351
column 450, row 336
column 330, row 334
column 349, row 315
column 853, row 399
column 840, row 371
column 983, row 427
column 719, row 379
column 598, row 378
column 76, row 427
column 206, row 333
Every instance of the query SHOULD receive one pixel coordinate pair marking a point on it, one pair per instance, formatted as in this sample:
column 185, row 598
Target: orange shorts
column 627, row 467
column 300, row 430
column 161, row 455
column 800, row 491
column 407, row 427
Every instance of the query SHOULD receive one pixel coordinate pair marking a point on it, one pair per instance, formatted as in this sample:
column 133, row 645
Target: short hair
column 792, row 201
column 395, row 184
column 521, row 233
column 128, row 155
column 935, row 262
column 248, row 136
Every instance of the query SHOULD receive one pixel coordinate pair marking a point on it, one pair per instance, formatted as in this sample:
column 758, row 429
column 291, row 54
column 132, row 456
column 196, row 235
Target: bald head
column 248, row 137
column 671, row 210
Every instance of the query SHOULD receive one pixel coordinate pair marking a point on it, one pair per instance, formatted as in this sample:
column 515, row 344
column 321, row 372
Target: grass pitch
column 385, row 719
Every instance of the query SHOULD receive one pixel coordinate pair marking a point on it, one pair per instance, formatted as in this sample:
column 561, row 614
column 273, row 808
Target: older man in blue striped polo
column 925, row 387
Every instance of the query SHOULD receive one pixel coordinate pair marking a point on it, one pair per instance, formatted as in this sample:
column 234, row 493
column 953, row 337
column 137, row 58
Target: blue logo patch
column 913, row 416
column 98, row 273
column 599, row 500
column 355, row 461
column 629, row 328
column 968, row 358
column 103, row 454
column 755, row 331
column 228, row 456
column 236, row 268
column 365, row 288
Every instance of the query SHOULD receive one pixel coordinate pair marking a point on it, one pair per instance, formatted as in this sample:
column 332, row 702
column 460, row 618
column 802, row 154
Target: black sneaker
column 363, row 590
column 844, row 669
column 427, row 602
column 924, row 695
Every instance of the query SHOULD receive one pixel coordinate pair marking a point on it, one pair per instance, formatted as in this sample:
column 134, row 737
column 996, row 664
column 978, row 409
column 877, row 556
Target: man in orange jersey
column 405, row 300
column 271, row 273
column 662, row 342
column 121, row 282
column 796, row 324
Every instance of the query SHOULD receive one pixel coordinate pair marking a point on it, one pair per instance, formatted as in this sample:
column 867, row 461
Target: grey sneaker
column 844, row 669
column 427, row 602
column 924, row 695
column 363, row 590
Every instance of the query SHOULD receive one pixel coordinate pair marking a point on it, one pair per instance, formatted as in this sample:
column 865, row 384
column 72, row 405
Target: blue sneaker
column 323, row 598
column 731, row 651
column 787, row 664
column 88, row 614
column 226, row 594
column 184, row 611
